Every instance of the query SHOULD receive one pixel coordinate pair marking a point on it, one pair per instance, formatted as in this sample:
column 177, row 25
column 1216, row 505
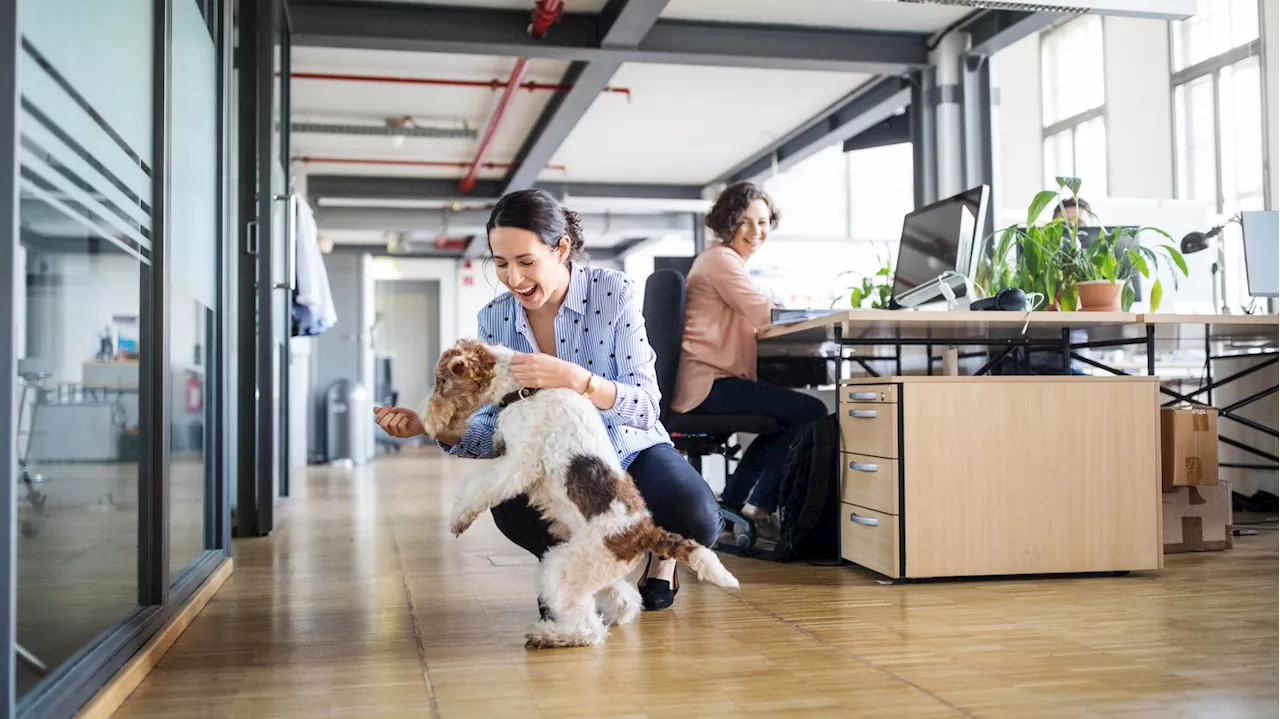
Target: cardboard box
column 1188, row 447
column 1197, row 519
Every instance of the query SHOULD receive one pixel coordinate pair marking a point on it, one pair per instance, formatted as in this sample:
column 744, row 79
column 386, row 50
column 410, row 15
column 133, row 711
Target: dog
column 553, row 448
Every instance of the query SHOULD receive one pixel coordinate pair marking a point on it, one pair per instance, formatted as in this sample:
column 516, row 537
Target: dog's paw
column 548, row 635
column 461, row 524
column 619, row 603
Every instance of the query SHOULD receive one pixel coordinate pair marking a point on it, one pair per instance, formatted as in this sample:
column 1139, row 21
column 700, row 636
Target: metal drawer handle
column 859, row 466
column 864, row 396
column 866, row 521
column 863, row 413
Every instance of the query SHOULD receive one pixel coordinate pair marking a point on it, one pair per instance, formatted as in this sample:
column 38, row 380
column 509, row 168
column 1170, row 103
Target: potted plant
column 1105, row 267
column 873, row 292
column 1049, row 261
column 1036, row 259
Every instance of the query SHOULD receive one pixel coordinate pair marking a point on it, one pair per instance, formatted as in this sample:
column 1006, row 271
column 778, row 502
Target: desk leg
column 929, row 358
column 1151, row 350
column 1066, row 351
column 1208, row 366
column 897, row 355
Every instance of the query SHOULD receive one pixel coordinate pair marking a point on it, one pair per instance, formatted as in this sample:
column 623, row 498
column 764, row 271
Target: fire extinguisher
column 195, row 394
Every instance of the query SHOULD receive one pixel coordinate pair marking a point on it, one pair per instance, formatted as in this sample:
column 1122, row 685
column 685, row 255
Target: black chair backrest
column 664, row 322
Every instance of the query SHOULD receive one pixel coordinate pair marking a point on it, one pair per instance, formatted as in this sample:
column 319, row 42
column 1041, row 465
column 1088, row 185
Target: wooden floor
column 364, row 605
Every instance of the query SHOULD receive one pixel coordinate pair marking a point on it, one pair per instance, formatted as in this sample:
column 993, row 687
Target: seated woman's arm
column 634, row 377
column 731, row 282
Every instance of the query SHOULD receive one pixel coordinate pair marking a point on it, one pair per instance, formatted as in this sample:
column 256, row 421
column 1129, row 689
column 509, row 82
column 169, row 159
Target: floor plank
column 364, row 605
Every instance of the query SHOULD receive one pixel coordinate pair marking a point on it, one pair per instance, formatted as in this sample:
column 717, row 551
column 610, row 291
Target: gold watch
column 591, row 386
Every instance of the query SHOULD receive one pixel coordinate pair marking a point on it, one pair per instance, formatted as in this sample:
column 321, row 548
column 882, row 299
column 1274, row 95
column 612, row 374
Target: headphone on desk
column 1010, row 299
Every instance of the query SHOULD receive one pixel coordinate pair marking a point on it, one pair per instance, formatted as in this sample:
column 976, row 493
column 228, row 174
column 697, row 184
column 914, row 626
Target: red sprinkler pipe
column 445, row 82
column 545, row 14
column 409, row 163
column 468, row 182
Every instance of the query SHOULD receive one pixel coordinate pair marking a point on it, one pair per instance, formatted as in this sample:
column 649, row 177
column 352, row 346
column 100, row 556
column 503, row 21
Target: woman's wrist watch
column 591, row 385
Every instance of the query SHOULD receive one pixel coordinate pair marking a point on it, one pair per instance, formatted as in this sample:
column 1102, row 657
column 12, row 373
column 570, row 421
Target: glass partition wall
column 121, row 270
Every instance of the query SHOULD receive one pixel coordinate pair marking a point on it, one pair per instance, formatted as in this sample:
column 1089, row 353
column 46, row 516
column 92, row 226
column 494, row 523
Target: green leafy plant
column 1117, row 255
column 1048, row 259
column 875, row 287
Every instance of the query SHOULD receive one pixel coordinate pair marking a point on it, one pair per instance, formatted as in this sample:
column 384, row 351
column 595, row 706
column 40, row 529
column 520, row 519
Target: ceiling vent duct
column 331, row 128
column 1157, row 9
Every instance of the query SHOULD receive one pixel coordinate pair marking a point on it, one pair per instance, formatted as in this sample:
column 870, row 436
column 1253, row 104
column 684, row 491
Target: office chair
column 696, row 435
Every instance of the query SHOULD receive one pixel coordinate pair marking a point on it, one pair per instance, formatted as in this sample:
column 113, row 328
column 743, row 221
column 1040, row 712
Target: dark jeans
column 759, row 473
column 678, row 497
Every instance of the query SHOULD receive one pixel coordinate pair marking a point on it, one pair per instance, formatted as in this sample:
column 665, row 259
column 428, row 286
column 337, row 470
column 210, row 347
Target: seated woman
column 717, row 374
column 578, row 327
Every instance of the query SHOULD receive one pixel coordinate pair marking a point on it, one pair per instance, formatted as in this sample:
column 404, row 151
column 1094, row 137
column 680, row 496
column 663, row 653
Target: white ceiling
column 430, row 105
column 682, row 125
column 687, row 124
column 884, row 15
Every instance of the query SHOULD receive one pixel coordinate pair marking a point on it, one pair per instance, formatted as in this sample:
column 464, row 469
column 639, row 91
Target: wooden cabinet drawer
column 869, row 428
column 870, row 482
column 869, row 393
column 869, row 538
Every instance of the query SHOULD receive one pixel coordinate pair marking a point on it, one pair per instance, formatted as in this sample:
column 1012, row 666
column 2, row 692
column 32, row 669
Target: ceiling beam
column 893, row 131
column 994, row 30
column 431, row 223
column 578, row 38
column 868, row 106
column 356, row 187
column 625, row 23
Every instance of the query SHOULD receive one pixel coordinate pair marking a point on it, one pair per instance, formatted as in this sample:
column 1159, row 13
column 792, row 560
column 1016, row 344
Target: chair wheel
column 745, row 540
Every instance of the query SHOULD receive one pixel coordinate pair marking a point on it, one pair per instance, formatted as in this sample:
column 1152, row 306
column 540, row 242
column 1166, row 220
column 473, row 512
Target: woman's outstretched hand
column 399, row 422
column 539, row 371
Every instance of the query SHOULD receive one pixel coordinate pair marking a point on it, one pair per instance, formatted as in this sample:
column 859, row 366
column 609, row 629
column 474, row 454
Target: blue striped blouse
column 599, row 327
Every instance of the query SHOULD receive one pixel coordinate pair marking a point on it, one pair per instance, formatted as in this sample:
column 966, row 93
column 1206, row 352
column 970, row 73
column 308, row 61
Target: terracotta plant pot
column 1100, row 296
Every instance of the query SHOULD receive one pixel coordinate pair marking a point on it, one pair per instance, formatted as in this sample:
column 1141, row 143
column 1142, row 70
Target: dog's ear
column 440, row 415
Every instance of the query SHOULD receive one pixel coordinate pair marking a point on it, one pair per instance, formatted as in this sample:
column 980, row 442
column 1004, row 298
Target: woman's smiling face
column 525, row 265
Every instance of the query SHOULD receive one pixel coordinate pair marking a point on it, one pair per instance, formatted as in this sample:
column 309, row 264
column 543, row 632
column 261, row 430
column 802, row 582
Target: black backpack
column 809, row 498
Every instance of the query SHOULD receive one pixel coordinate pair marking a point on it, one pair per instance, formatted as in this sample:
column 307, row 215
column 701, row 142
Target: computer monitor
column 1261, row 258
column 937, row 248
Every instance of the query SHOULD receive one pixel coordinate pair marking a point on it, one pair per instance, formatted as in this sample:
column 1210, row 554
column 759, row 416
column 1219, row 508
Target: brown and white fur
column 553, row 448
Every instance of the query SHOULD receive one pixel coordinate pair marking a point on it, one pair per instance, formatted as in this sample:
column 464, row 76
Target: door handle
column 859, row 466
column 864, row 521
column 864, row 396
column 863, row 413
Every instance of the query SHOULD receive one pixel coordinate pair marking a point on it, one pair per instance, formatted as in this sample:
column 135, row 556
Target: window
column 1218, row 122
column 1073, row 104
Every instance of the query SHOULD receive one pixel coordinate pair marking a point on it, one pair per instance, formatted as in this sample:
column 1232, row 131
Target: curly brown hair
column 731, row 205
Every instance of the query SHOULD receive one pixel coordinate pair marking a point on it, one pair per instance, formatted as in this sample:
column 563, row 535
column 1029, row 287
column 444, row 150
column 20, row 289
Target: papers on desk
column 787, row 317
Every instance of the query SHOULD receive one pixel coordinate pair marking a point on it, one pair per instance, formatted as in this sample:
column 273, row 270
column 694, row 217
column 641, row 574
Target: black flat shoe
column 658, row 594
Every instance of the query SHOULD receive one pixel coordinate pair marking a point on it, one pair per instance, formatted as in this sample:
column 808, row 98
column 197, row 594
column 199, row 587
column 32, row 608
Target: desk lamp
column 1197, row 241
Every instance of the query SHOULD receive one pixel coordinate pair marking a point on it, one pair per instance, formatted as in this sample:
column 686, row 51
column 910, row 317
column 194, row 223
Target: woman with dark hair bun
column 717, row 375
column 578, row 327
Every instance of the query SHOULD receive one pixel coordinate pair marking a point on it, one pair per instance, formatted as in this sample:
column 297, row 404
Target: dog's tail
column 669, row 545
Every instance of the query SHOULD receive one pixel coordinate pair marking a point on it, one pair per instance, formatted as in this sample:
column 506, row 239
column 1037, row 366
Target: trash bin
column 344, row 403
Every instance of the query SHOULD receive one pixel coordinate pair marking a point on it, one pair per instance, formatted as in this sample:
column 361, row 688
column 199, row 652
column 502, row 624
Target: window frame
column 1073, row 123
column 1212, row 68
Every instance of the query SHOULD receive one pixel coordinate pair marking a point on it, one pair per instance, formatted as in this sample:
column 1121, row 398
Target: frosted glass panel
column 194, row 173
column 104, row 51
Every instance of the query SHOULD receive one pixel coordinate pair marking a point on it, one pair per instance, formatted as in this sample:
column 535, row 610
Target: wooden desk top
column 945, row 326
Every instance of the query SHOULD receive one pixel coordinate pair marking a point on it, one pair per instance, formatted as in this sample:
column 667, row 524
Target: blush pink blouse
column 723, row 311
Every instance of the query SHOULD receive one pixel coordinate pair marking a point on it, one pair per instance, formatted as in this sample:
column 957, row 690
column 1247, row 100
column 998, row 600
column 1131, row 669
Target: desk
column 971, row 476
column 1223, row 337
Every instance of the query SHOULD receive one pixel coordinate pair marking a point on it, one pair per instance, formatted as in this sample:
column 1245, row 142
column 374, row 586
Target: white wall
column 1271, row 78
column 1138, row 112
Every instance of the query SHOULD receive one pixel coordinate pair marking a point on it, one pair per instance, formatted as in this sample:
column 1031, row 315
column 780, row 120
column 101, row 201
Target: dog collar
column 522, row 393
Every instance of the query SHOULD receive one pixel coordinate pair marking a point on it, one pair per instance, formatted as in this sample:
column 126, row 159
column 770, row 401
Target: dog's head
column 466, row 378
